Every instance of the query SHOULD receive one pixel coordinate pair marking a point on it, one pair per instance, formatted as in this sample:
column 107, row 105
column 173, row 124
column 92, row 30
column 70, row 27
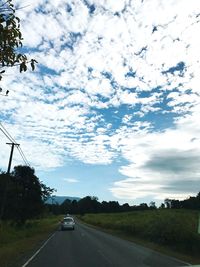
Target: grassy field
column 16, row 242
column 173, row 229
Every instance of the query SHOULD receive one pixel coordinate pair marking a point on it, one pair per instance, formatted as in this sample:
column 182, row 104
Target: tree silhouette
column 25, row 194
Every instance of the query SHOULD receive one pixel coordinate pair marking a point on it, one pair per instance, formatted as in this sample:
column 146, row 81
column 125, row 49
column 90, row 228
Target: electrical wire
column 12, row 140
column 7, row 133
column 23, row 156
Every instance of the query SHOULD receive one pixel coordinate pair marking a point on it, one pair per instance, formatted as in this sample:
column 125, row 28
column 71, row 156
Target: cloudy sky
column 112, row 109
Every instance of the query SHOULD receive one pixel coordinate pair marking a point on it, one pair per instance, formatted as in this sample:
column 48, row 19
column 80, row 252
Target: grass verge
column 16, row 242
column 172, row 232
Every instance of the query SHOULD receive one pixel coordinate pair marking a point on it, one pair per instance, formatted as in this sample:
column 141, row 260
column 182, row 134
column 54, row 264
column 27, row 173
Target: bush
column 174, row 228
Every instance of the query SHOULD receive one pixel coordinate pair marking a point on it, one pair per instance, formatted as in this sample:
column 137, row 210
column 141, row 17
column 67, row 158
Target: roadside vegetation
column 174, row 229
column 16, row 242
column 90, row 204
column 22, row 195
column 25, row 220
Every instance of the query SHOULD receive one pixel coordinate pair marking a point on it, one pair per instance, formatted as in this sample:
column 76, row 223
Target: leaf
column 11, row 39
column 32, row 65
column 18, row 56
column 21, row 67
column 33, row 61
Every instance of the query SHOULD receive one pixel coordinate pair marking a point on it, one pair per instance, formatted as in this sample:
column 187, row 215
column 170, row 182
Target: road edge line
column 38, row 251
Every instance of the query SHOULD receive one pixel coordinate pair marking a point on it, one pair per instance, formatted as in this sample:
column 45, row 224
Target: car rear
column 67, row 224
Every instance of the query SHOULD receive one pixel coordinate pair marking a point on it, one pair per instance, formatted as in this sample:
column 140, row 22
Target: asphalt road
column 88, row 247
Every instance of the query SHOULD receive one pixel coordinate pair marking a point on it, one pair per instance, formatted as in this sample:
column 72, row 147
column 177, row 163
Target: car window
column 68, row 220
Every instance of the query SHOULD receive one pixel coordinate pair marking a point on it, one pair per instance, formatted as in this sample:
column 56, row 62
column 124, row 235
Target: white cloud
column 161, row 163
column 58, row 111
column 71, row 180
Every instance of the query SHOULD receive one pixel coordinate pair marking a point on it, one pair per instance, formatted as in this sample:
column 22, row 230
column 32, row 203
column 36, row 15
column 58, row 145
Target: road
column 88, row 247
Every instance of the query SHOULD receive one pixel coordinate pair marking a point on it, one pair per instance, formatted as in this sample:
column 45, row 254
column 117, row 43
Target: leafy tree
column 4, row 185
column 168, row 203
column 114, row 206
column 175, row 204
column 142, row 206
column 46, row 191
column 125, row 207
column 162, row 206
column 152, row 205
column 30, row 193
column 25, row 194
column 74, row 207
column 88, row 205
column 111, row 206
column 66, row 206
column 189, row 203
column 11, row 40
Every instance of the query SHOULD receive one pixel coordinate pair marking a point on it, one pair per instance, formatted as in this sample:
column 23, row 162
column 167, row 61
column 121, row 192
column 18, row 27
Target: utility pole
column 6, row 182
column 11, row 155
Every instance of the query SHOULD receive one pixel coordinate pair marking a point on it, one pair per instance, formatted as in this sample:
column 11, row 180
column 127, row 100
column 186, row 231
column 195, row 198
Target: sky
column 112, row 108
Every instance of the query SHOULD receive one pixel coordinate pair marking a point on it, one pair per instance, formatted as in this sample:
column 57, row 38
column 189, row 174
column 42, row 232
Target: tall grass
column 175, row 228
column 16, row 241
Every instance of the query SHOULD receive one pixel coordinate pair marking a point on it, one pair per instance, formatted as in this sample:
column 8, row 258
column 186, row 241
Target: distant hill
column 60, row 199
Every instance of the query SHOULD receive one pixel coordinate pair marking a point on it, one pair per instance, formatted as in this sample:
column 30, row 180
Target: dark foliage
column 192, row 203
column 11, row 40
column 22, row 195
column 90, row 204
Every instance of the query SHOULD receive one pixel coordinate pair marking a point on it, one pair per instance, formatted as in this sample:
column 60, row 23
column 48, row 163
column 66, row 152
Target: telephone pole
column 11, row 155
column 6, row 182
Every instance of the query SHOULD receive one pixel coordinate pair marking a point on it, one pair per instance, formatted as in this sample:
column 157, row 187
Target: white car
column 67, row 224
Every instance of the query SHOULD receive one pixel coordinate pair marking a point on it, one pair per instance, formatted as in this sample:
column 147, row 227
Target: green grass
column 174, row 229
column 17, row 241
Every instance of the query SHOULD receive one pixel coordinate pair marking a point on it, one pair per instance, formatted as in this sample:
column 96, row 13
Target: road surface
column 88, row 247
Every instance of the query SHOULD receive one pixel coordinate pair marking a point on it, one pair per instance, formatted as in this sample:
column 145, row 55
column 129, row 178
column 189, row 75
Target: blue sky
column 112, row 109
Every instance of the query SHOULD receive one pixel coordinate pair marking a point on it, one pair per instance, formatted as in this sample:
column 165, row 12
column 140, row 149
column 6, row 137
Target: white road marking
column 173, row 258
column 102, row 254
column 38, row 251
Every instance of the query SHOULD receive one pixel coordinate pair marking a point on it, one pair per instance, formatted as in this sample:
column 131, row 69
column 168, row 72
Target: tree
column 4, row 185
column 88, row 204
column 175, row 204
column 11, row 40
column 25, row 194
column 66, row 206
column 162, row 206
column 125, row 207
column 168, row 203
column 74, row 207
column 152, row 205
column 142, row 206
column 30, row 193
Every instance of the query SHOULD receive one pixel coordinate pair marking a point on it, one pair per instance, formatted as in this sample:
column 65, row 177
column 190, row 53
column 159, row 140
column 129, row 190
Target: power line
column 23, row 156
column 12, row 140
column 7, row 133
